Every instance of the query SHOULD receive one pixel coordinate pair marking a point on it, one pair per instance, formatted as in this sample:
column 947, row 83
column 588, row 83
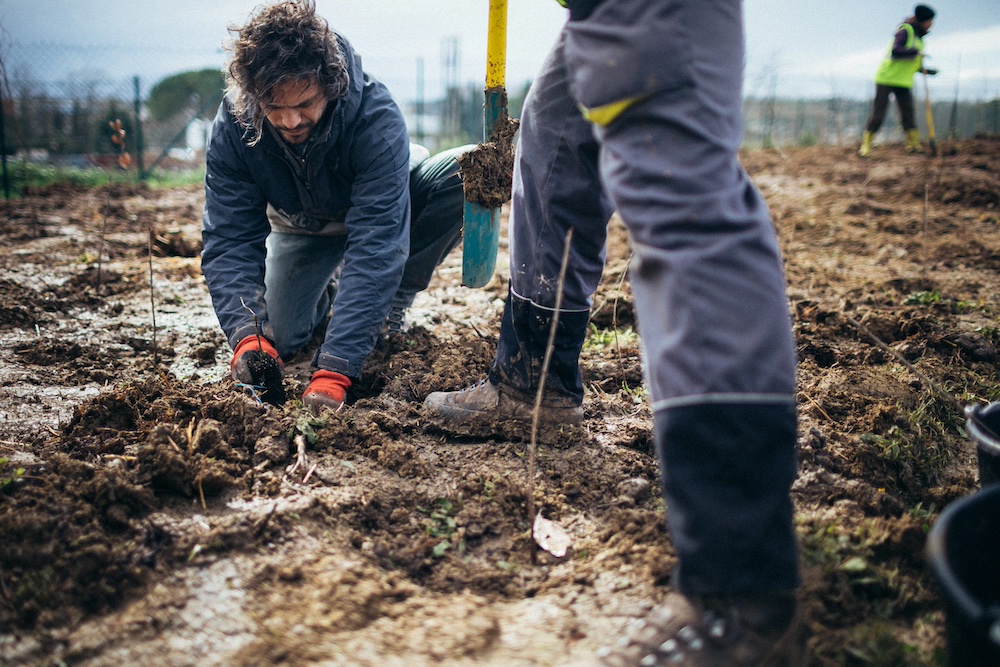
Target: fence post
column 138, row 129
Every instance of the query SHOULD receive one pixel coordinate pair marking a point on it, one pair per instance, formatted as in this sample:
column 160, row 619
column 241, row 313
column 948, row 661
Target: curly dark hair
column 282, row 42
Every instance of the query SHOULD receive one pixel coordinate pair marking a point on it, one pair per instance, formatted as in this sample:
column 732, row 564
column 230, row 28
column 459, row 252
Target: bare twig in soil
column 201, row 491
column 152, row 292
column 926, row 241
column 309, row 474
column 863, row 190
column 300, row 458
column 536, row 410
column 178, row 447
column 121, row 457
column 614, row 308
column 818, row 407
column 256, row 322
column 124, row 160
column 478, row 332
column 263, row 522
column 933, row 386
column 100, row 247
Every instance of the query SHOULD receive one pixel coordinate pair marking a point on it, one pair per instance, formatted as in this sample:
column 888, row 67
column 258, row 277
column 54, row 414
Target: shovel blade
column 480, row 240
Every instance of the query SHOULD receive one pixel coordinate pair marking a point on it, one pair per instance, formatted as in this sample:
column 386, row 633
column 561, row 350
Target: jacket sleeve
column 899, row 50
column 378, row 241
column 234, row 228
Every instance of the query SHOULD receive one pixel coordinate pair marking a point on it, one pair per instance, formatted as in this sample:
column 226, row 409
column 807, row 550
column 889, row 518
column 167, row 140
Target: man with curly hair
column 315, row 198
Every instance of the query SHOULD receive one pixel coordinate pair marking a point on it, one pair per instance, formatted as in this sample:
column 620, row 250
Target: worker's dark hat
column 923, row 13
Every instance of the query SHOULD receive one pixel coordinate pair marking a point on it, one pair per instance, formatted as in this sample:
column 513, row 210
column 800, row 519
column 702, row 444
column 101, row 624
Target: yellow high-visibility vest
column 899, row 72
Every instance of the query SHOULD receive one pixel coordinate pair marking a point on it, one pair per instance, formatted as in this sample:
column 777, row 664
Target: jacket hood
column 340, row 114
column 917, row 26
column 343, row 111
column 347, row 106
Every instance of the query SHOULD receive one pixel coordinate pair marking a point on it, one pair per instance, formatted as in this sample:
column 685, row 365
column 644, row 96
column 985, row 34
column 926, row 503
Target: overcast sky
column 794, row 47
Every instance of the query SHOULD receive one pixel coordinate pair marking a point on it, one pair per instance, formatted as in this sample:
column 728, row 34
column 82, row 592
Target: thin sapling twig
column 264, row 370
column 536, row 410
column 124, row 160
column 945, row 396
column 152, row 293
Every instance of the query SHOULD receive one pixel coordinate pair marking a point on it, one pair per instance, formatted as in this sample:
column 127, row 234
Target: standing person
column 895, row 77
column 637, row 108
column 309, row 173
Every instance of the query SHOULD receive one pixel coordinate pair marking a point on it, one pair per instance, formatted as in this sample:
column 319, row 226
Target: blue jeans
column 300, row 267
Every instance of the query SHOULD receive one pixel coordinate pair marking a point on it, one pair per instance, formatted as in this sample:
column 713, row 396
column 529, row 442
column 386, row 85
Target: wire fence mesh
column 58, row 115
column 64, row 121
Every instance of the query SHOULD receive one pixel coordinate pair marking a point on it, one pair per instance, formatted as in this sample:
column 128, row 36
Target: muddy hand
column 326, row 391
column 248, row 349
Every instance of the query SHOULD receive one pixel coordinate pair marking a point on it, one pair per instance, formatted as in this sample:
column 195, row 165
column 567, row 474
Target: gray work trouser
column 706, row 274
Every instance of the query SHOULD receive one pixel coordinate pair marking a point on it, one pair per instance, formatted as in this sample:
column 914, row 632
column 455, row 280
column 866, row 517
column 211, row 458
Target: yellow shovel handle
column 496, row 44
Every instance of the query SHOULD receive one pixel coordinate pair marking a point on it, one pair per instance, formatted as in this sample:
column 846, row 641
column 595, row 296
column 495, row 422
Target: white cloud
column 971, row 57
column 982, row 42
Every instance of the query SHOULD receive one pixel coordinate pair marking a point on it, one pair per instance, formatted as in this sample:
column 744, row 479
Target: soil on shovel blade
column 487, row 170
column 154, row 512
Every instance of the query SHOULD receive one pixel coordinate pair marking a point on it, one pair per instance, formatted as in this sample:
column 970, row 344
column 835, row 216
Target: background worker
column 310, row 172
column 895, row 77
column 638, row 108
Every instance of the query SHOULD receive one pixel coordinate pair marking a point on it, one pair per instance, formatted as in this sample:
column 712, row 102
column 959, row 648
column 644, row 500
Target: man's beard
column 298, row 134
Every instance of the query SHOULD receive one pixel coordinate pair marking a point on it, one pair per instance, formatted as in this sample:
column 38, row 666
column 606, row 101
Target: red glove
column 327, row 389
column 239, row 367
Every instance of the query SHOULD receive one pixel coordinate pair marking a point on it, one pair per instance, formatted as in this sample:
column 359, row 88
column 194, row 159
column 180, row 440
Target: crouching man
column 310, row 173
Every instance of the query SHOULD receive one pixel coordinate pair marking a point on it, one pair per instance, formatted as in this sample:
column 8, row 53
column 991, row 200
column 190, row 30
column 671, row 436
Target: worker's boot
column 866, row 144
column 486, row 401
column 395, row 322
column 685, row 632
column 913, row 141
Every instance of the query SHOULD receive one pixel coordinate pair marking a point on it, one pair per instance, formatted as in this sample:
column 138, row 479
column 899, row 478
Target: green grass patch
column 34, row 176
column 599, row 340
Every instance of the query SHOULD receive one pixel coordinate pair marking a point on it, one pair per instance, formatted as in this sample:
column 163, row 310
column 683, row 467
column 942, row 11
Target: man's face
column 295, row 108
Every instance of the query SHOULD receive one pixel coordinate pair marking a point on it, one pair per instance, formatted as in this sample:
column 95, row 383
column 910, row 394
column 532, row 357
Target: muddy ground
column 152, row 513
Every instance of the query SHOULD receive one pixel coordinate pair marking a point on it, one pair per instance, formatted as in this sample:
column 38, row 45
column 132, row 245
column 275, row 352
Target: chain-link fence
column 64, row 120
column 53, row 119
column 57, row 119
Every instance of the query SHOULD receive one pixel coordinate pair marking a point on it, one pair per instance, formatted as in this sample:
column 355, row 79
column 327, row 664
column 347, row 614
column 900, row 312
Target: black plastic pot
column 983, row 426
column 964, row 552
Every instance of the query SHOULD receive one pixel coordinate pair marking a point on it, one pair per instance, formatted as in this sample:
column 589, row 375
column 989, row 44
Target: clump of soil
column 72, row 544
column 487, row 170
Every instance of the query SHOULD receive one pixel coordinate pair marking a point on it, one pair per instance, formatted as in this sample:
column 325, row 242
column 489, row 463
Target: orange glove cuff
column 254, row 342
column 329, row 383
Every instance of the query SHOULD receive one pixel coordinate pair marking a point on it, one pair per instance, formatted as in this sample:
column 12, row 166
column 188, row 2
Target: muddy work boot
column 866, row 144
column 689, row 633
column 485, row 402
column 395, row 322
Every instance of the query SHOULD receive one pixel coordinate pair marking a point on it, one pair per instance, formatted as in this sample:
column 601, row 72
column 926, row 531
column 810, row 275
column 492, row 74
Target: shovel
column 481, row 224
column 930, row 117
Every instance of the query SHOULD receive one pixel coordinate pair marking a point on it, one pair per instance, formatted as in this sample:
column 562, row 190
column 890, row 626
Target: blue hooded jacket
column 355, row 171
